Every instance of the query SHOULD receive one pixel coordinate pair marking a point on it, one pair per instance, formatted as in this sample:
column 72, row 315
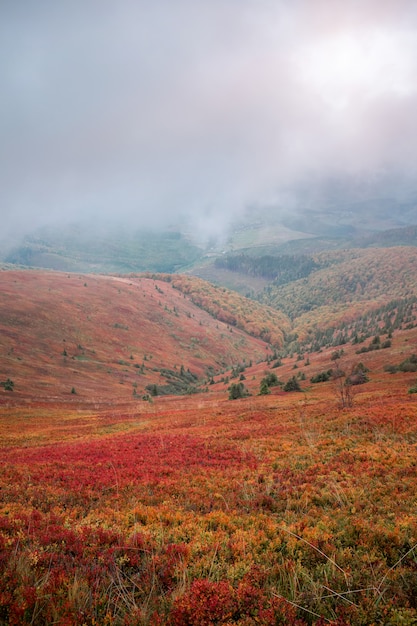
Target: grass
column 281, row 508
column 286, row 507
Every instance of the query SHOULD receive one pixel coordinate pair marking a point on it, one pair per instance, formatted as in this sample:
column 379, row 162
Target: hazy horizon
column 162, row 113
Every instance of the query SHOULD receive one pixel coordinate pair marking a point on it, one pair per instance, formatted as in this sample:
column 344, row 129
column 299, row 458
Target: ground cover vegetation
column 264, row 322
column 81, row 249
column 280, row 489
column 282, row 508
column 113, row 336
column 333, row 297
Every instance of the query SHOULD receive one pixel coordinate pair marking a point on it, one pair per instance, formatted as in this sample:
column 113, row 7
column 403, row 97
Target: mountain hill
column 112, row 336
column 85, row 247
column 223, row 304
column 330, row 297
column 406, row 236
column 349, row 276
column 360, row 292
column 291, row 501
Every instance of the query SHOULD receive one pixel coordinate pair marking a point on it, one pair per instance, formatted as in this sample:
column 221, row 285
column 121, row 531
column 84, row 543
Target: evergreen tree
column 292, row 385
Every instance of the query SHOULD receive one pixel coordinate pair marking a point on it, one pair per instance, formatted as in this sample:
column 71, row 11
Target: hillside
column 349, row 276
column 107, row 336
column 223, row 304
column 350, row 291
column 406, row 236
column 112, row 336
column 276, row 504
column 285, row 508
column 86, row 247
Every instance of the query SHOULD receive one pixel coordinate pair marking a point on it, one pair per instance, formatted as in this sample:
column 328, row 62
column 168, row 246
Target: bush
column 264, row 389
column 322, row 377
column 8, row 385
column 408, row 365
column 237, row 390
column 359, row 378
column 292, row 385
column 337, row 354
column 358, row 375
column 413, row 389
column 270, row 380
column 218, row 602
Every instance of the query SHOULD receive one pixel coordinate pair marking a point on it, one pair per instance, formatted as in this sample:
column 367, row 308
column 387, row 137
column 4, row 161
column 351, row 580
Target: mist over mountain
column 197, row 117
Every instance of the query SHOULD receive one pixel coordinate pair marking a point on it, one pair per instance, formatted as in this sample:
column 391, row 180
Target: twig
column 298, row 606
column 378, row 589
column 326, row 556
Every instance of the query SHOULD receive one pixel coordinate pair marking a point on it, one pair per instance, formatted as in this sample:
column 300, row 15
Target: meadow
column 284, row 508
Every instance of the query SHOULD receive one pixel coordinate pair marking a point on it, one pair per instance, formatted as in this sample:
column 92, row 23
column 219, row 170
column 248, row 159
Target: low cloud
column 167, row 112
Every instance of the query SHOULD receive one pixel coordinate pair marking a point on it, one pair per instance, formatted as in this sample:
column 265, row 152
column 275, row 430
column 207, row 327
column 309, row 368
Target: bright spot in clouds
column 351, row 66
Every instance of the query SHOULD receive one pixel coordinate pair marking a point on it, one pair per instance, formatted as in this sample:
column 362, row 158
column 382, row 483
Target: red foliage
column 214, row 603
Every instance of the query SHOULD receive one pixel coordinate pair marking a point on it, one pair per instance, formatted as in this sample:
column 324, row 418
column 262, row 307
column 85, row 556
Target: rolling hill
column 294, row 504
column 87, row 247
column 111, row 336
column 170, row 333
column 330, row 297
column 270, row 509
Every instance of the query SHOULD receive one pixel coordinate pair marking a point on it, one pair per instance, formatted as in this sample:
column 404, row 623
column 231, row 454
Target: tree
column 343, row 387
column 153, row 390
column 264, row 389
column 322, row 377
column 237, row 390
column 270, row 380
column 8, row 385
column 292, row 385
column 358, row 375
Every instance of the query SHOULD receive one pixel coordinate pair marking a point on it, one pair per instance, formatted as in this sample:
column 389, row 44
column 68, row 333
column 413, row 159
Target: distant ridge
column 406, row 236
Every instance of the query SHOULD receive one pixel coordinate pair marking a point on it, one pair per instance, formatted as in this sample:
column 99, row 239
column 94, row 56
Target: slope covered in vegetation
column 82, row 249
column 228, row 306
column 276, row 509
column 109, row 336
column 349, row 276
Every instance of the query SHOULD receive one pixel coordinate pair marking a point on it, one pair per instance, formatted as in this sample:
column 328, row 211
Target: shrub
column 214, row 603
column 322, row 377
column 8, row 385
column 292, row 385
column 237, row 390
column 264, row 389
column 270, row 380
column 408, row 365
column 358, row 376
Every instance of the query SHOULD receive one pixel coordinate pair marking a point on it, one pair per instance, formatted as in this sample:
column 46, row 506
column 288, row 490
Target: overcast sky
column 149, row 110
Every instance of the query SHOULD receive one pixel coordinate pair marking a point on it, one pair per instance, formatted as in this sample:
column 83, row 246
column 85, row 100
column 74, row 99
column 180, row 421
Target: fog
column 162, row 113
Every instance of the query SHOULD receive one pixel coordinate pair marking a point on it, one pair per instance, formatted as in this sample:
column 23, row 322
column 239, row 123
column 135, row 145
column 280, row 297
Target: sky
column 155, row 112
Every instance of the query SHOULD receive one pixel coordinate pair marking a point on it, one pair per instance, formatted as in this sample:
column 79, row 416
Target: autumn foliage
column 283, row 508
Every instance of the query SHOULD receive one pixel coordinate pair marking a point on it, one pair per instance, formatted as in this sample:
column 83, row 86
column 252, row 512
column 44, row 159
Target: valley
column 208, row 313
column 175, row 453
